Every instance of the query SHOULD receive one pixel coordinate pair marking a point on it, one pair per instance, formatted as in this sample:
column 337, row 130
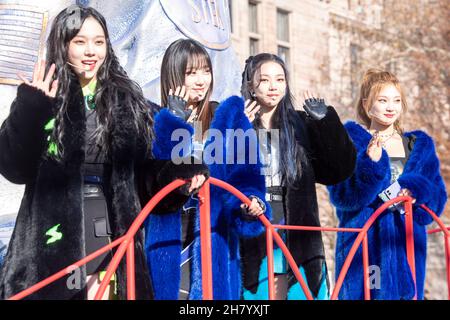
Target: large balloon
column 140, row 31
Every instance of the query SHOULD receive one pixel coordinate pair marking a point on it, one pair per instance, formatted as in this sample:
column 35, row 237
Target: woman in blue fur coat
column 386, row 155
column 172, row 240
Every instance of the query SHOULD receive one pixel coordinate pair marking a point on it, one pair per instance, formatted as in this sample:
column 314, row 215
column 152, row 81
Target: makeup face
column 198, row 82
column 87, row 50
column 387, row 106
column 270, row 88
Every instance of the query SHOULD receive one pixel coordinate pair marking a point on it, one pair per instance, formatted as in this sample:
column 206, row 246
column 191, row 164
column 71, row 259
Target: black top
column 397, row 164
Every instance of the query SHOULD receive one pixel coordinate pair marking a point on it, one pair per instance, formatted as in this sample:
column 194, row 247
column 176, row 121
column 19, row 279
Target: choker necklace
column 385, row 137
column 390, row 135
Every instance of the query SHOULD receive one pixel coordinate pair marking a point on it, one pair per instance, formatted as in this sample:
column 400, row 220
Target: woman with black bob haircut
column 173, row 241
column 79, row 136
column 312, row 147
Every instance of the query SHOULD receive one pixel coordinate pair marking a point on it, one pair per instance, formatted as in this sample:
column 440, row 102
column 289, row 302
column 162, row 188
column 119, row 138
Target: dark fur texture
column 53, row 193
column 357, row 198
column 329, row 157
column 163, row 244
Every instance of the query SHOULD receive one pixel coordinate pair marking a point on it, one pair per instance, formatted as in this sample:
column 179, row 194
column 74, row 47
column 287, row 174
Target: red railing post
column 357, row 242
column 365, row 247
column 446, row 231
column 126, row 245
column 25, row 293
column 270, row 272
column 275, row 235
column 409, row 232
column 131, row 273
column 112, row 267
column 447, row 261
column 205, row 239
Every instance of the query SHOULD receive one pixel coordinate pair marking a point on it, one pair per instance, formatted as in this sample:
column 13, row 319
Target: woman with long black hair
column 79, row 136
column 312, row 147
column 173, row 240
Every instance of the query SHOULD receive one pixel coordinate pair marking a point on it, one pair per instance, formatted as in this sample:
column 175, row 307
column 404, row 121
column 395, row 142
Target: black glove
column 185, row 170
column 244, row 211
column 315, row 108
column 177, row 106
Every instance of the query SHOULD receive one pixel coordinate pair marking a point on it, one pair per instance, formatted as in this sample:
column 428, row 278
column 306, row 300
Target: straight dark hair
column 291, row 153
column 179, row 56
column 112, row 81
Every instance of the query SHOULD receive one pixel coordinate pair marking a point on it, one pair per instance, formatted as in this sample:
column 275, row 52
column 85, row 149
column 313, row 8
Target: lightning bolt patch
column 54, row 234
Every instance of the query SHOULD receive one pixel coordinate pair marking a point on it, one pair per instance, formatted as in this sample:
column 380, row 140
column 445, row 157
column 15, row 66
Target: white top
column 271, row 163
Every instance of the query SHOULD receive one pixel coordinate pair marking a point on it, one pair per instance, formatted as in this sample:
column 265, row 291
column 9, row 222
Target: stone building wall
column 332, row 43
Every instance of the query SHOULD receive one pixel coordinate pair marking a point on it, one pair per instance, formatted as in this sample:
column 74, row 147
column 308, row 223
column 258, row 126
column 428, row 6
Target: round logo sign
column 207, row 21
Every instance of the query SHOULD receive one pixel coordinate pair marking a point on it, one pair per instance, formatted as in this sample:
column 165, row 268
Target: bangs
column 198, row 60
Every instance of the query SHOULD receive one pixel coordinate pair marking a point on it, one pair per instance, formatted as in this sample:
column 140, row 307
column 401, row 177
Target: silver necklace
column 386, row 137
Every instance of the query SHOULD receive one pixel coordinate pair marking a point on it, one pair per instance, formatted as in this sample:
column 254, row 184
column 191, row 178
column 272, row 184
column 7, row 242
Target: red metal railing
column 126, row 245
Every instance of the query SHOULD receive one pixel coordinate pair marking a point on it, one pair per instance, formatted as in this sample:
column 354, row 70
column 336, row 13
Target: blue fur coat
column 163, row 235
column 357, row 198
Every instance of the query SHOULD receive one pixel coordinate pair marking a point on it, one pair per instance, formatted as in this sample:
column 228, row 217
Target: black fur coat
column 54, row 195
column 329, row 157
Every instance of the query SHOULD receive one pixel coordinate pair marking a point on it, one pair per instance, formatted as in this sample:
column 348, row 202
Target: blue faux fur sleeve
column 229, row 119
column 247, row 176
column 369, row 177
column 170, row 132
column 425, row 181
column 421, row 176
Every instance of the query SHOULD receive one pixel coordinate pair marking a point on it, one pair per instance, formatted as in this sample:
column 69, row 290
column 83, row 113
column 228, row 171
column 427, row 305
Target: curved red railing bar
column 123, row 242
column 409, row 241
column 363, row 239
column 363, row 234
column 446, row 231
column 126, row 245
column 275, row 236
column 205, row 241
column 128, row 241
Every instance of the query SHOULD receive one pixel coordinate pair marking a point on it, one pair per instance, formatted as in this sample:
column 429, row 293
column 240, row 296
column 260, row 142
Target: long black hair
column 111, row 79
column 291, row 153
column 181, row 54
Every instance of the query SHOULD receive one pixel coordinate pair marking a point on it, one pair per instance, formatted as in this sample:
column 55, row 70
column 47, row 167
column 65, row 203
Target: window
column 283, row 36
column 283, row 25
column 254, row 47
column 283, row 53
column 253, row 17
column 253, row 28
column 230, row 10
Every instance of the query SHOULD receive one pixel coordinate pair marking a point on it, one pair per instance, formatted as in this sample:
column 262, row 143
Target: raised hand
column 177, row 102
column 196, row 183
column 314, row 107
column 256, row 208
column 407, row 193
column 40, row 81
column 374, row 148
column 251, row 110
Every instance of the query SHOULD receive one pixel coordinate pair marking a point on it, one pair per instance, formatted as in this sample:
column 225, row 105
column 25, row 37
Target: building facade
column 304, row 34
column 329, row 44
